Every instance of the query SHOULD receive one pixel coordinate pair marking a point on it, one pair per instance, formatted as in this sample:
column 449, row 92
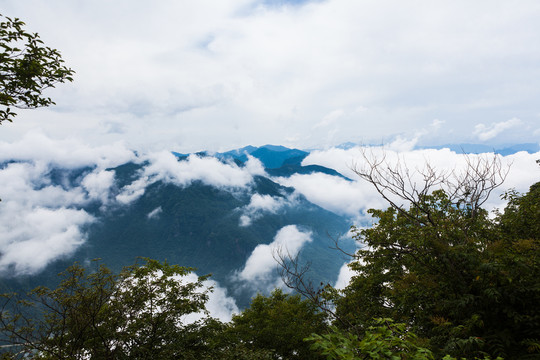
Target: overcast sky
column 217, row 75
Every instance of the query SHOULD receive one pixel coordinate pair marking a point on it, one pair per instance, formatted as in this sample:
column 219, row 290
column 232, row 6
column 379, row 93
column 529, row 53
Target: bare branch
column 396, row 183
column 293, row 274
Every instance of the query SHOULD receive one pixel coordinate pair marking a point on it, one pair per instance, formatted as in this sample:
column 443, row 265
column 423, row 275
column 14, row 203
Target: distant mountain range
column 531, row 148
column 465, row 148
column 210, row 221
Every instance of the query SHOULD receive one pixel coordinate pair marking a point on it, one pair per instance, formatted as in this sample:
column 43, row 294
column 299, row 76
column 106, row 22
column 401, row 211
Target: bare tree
column 398, row 184
column 294, row 275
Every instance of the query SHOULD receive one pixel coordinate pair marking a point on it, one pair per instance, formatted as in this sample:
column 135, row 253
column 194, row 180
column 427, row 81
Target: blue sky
column 189, row 76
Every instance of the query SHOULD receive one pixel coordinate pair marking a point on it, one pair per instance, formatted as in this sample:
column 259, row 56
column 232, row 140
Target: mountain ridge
column 209, row 227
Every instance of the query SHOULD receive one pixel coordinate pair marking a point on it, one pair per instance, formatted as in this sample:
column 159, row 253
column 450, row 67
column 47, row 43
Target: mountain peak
column 277, row 148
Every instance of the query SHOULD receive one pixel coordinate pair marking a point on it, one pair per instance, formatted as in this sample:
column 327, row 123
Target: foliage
column 521, row 217
column 384, row 340
column 468, row 284
column 136, row 314
column 279, row 323
column 27, row 68
column 224, row 344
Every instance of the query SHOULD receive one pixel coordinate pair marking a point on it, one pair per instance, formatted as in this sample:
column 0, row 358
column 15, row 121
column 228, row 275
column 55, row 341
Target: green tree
column 136, row 314
column 383, row 340
column 223, row 343
column 521, row 217
column 467, row 283
column 27, row 68
column 279, row 323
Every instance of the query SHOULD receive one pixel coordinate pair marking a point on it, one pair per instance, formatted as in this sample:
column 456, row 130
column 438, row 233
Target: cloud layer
column 219, row 305
column 164, row 166
column 41, row 220
column 47, row 183
column 260, row 205
column 485, row 132
column 353, row 198
column 261, row 265
column 188, row 76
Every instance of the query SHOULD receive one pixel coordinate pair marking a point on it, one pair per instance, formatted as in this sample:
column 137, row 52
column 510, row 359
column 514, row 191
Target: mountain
column 293, row 166
column 273, row 159
column 271, row 156
column 531, row 148
column 221, row 213
column 468, row 148
column 278, row 160
column 203, row 222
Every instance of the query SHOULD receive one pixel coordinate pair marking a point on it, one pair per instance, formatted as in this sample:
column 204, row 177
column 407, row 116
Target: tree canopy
column 27, row 68
column 136, row 314
column 140, row 313
column 458, row 281
column 467, row 282
column 279, row 323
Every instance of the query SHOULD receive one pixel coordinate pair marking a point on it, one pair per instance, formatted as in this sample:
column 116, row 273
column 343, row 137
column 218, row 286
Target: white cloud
column 219, row 304
column 68, row 153
column 28, row 184
column 260, row 204
column 350, row 198
column 401, row 144
column 334, row 158
column 165, row 166
column 133, row 191
column 39, row 221
column 36, row 236
column 201, row 75
column 254, row 167
column 345, row 273
column 155, row 213
column 98, row 184
column 260, row 265
column 344, row 277
column 523, row 173
column 245, row 220
column 333, row 193
column 484, row 132
column 267, row 203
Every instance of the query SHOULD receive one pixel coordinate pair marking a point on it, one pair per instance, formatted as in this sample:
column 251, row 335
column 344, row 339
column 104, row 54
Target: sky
column 218, row 75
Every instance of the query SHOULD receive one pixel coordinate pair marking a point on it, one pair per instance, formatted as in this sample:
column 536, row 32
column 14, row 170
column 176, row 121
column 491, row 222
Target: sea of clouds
column 42, row 221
